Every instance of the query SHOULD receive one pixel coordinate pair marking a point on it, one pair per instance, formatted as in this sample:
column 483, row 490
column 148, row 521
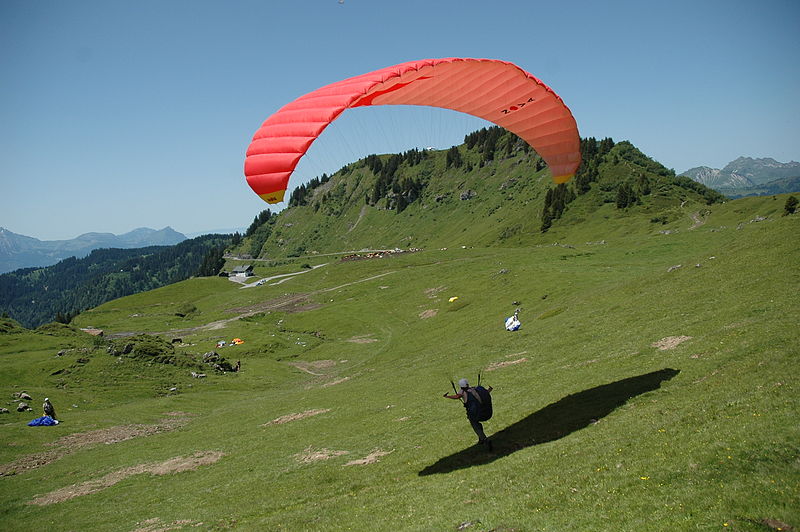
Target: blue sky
column 122, row 114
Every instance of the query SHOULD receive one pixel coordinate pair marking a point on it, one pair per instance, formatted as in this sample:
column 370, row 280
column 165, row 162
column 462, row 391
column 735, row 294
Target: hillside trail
column 697, row 219
column 360, row 216
column 289, row 303
column 283, row 277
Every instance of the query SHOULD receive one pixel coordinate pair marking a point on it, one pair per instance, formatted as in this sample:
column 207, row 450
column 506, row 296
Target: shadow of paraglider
column 554, row 421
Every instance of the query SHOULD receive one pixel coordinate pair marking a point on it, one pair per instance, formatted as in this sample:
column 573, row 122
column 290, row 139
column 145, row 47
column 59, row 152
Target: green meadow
column 652, row 386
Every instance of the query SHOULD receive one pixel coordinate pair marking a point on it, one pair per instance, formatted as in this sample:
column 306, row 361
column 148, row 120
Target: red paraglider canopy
column 497, row 91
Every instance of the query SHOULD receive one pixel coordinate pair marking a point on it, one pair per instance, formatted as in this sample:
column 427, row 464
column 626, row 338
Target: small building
column 245, row 270
column 93, row 331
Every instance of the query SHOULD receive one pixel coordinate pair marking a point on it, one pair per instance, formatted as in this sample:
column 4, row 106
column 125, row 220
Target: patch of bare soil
column 363, row 339
column 173, row 465
column 433, row 292
column 371, row 458
column 497, row 365
column 294, row 417
column 670, row 342
column 73, row 442
column 775, row 524
column 289, row 303
column 316, row 364
column 155, row 524
column 321, row 378
column 309, row 454
column 337, row 381
column 425, row 314
column 581, row 364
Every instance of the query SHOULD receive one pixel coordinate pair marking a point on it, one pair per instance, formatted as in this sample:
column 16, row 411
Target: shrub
column 790, row 206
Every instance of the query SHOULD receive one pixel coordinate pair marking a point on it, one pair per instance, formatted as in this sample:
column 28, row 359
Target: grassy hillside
column 638, row 395
column 483, row 202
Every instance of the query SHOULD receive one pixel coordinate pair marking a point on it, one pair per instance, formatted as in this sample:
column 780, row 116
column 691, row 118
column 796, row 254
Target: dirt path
column 697, row 220
column 360, row 216
column 283, row 277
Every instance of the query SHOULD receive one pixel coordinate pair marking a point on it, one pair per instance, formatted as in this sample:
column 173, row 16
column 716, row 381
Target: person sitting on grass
column 47, row 406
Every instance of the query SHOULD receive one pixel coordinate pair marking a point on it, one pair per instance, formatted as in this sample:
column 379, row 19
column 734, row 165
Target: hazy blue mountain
column 746, row 173
column 778, row 186
column 20, row 251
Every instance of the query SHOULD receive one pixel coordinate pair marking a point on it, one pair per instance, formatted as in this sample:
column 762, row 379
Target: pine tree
column 259, row 220
column 643, row 185
column 547, row 221
column 582, row 185
column 453, row 158
column 400, row 203
column 622, row 196
column 558, row 200
column 569, row 196
column 626, row 196
column 212, row 262
column 547, row 215
column 790, row 206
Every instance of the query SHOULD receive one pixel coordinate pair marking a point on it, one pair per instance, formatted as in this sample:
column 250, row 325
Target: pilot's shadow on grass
column 554, row 421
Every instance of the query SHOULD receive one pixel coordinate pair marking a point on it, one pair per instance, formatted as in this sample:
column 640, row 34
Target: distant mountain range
column 749, row 177
column 20, row 251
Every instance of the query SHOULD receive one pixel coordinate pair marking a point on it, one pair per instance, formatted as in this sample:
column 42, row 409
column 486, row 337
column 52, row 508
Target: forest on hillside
column 494, row 142
column 34, row 296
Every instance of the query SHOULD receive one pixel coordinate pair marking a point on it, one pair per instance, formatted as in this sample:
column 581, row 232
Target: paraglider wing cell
column 497, row 91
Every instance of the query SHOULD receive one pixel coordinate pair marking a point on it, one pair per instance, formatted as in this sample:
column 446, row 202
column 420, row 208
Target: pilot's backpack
column 479, row 404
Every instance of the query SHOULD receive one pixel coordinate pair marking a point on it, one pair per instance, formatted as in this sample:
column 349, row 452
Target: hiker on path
column 47, row 406
column 469, row 396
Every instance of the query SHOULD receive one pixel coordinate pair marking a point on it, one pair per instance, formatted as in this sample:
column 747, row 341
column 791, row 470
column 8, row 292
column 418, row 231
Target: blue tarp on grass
column 44, row 421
